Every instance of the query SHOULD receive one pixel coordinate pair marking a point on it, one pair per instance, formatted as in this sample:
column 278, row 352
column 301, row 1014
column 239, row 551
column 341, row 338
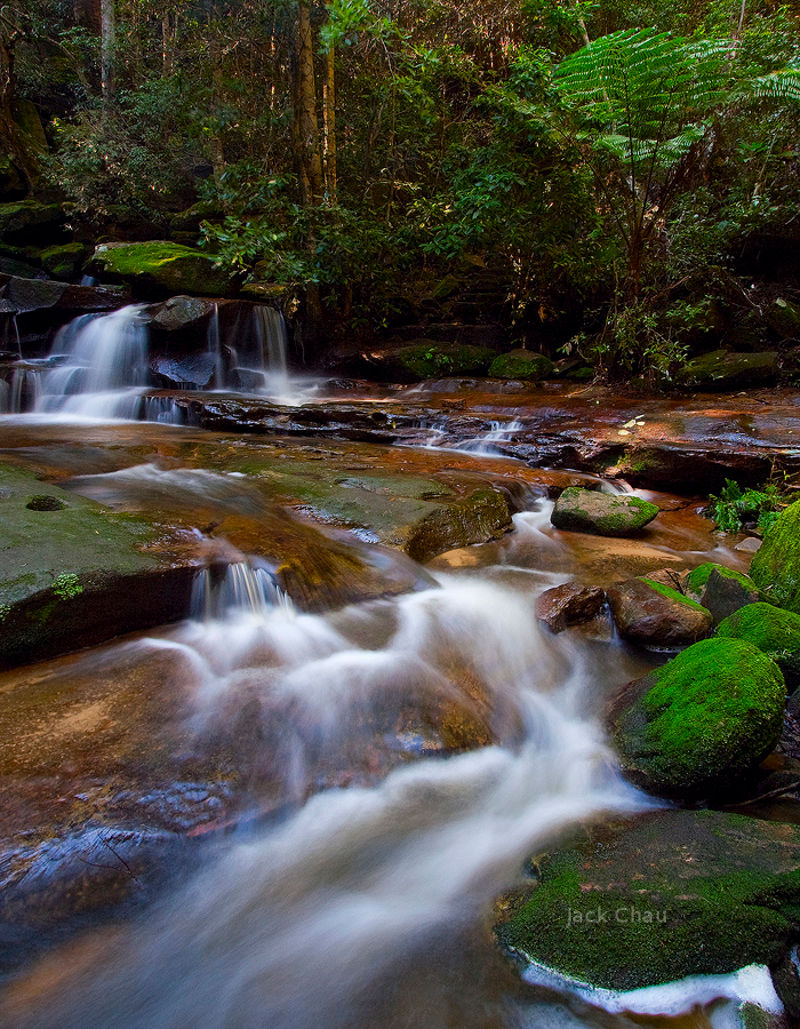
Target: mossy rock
column 776, row 565
column 28, row 219
column 653, row 614
column 673, row 894
column 604, row 514
column 783, row 317
column 521, row 364
column 705, row 718
column 429, row 360
column 722, row 590
column 65, row 261
column 774, row 631
column 482, row 515
column 721, row 370
column 161, row 267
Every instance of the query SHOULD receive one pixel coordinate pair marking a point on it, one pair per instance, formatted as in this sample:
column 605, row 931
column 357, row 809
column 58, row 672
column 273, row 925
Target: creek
column 328, row 854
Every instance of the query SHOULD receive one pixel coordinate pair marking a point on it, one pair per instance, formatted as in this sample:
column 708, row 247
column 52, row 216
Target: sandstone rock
column 568, row 605
column 648, row 612
column 605, row 514
column 721, row 590
column 525, row 365
column 721, row 370
column 775, row 569
column 161, row 267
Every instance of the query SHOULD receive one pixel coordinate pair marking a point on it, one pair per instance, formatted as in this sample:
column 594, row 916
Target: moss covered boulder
column 64, row 261
column 651, row 613
column 721, row 370
column 160, row 267
column 72, row 573
column 430, row 360
column 673, row 894
column 521, row 364
column 28, row 221
column 604, row 514
column 776, row 565
column 722, row 590
column 774, row 631
column 705, row 718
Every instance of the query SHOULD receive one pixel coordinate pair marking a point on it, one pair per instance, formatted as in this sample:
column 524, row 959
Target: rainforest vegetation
column 628, row 169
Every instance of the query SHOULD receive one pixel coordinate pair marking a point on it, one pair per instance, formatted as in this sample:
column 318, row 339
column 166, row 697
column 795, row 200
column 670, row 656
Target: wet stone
column 569, row 604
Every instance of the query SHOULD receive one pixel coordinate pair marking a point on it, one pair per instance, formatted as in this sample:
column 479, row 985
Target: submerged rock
column 776, row 565
column 569, row 604
column 160, row 266
column 704, row 719
column 722, row 590
column 673, row 894
column 774, row 631
column 650, row 612
column 605, row 514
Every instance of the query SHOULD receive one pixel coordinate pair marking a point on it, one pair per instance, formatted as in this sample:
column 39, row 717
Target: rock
column 774, row 631
column 783, row 317
column 524, row 365
column 74, row 574
column 721, row 370
column 189, row 220
column 649, row 612
column 64, row 261
column 775, row 569
column 481, row 515
column 569, row 604
column 707, row 717
column 29, row 221
column 428, row 359
column 672, row 894
column 28, row 295
column 604, row 514
column 722, row 590
column 749, row 545
column 180, row 313
column 747, row 333
column 160, row 266
column 195, row 371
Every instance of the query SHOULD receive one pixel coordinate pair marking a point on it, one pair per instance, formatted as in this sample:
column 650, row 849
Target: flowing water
column 364, row 899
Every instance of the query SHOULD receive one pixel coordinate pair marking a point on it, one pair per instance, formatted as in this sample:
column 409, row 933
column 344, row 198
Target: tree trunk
column 329, row 115
column 107, row 40
column 11, row 137
column 305, row 126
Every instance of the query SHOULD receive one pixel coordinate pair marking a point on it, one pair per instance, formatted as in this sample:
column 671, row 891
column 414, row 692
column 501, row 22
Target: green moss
column 774, row 631
column 521, row 364
column 582, row 510
column 710, row 714
column 429, row 360
column 671, row 594
column 678, row 893
column 776, row 565
column 698, row 577
column 163, row 264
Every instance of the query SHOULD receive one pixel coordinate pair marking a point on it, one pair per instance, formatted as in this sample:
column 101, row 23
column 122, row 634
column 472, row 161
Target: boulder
column 705, row 718
column 649, row 612
column 180, row 313
column 670, row 895
column 64, row 261
column 477, row 517
column 721, row 370
column 722, row 590
column 775, row 568
column 28, row 295
column 774, row 631
column 524, row 365
column 783, row 317
column 604, row 514
column 27, row 221
column 193, row 371
column 160, row 266
column 569, row 604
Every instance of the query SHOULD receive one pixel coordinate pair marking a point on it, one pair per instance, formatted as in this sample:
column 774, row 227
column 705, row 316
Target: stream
column 347, row 860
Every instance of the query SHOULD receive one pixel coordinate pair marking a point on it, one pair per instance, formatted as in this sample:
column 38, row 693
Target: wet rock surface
column 671, row 894
column 569, row 604
column 582, row 510
column 651, row 613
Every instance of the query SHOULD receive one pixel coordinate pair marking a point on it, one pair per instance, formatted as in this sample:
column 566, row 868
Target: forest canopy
column 616, row 161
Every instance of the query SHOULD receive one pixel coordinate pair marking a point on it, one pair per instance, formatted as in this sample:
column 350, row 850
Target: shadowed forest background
column 627, row 172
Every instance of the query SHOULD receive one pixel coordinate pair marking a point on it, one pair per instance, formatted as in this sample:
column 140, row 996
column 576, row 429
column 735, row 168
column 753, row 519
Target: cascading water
column 101, row 367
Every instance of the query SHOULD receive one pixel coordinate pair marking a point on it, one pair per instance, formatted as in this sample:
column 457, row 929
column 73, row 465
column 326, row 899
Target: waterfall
column 271, row 337
column 241, row 586
column 101, row 366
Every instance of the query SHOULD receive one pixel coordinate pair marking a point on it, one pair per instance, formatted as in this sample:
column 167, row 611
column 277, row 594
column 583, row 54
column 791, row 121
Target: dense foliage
column 613, row 159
